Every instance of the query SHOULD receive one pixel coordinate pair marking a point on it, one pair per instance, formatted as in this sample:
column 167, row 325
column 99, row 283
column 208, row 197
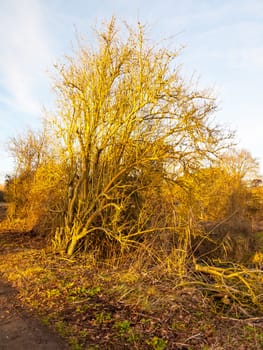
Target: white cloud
column 24, row 53
column 25, row 56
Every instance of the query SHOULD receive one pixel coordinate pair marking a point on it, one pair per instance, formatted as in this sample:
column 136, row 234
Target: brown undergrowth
column 128, row 305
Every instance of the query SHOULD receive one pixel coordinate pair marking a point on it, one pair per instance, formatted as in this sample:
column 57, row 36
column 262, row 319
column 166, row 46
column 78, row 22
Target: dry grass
column 125, row 305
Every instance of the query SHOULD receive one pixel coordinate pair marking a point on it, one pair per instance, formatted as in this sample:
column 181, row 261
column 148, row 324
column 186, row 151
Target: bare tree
column 127, row 124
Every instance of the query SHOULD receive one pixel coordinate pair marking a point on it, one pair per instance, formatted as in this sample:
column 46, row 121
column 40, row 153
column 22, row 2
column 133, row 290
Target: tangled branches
column 235, row 286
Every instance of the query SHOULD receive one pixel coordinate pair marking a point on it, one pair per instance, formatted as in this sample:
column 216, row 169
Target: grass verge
column 127, row 305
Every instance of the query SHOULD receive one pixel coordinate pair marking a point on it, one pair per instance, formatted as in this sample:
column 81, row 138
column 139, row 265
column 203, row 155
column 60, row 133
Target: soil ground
column 18, row 329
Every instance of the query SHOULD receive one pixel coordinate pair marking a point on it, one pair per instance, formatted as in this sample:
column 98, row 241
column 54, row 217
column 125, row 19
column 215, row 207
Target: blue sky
column 223, row 42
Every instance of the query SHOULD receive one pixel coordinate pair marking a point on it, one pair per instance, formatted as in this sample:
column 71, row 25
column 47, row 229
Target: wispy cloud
column 24, row 53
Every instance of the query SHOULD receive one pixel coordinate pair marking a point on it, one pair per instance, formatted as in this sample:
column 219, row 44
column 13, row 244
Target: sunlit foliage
column 127, row 125
column 130, row 154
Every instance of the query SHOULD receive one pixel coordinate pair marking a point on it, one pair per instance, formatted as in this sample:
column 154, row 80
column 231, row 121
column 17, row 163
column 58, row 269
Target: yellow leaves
column 225, row 300
column 258, row 259
column 130, row 276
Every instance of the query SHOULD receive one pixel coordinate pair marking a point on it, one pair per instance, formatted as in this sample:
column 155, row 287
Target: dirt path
column 18, row 330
